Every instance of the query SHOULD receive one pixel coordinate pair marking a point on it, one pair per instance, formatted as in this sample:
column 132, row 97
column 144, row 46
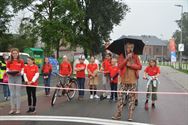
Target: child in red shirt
column 15, row 68
column 92, row 69
column 31, row 75
column 80, row 74
column 106, row 64
column 65, row 67
column 46, row 71
column 151, row 73
column 114, row 72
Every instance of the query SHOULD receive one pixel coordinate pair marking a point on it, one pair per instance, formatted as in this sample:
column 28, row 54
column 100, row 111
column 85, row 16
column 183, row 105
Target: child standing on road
column 80, row 74
column 114, row 73
column 15, row 65
column 93, row 77
column 106, row 64
column 31, row 75
column 46, row 71
column 151, row 73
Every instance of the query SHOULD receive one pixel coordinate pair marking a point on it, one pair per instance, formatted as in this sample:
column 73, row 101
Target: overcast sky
column 146, row 17
column 150, row 17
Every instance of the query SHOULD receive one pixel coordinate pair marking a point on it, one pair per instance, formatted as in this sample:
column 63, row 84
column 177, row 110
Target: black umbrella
column 117, row 46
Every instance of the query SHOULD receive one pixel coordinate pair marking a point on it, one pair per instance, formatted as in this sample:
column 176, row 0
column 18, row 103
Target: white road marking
column 69, row 119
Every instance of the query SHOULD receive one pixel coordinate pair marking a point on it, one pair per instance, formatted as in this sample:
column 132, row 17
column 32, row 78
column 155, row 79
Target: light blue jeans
column 15, row 92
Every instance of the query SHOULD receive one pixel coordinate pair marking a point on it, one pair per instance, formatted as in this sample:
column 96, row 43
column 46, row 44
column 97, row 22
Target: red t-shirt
column 15, row 65
column 152, row 71
column 30, row 72
column 47, row 68
column 114, row 70
column 65, row 68
column 92, row 67
column 80, row 74
column 106, row 65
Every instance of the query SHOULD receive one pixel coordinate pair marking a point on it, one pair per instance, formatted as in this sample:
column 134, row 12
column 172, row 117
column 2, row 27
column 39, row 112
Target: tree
column 100, row 18
column 84, row 23
column 57, row 22
column 184, row 33
column 5, row 16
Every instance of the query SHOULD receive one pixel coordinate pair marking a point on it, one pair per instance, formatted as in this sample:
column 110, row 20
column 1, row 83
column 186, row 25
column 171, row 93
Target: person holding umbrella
column 129, row 65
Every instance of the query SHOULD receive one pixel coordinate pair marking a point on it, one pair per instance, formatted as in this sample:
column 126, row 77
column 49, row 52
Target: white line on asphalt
column 88, row 120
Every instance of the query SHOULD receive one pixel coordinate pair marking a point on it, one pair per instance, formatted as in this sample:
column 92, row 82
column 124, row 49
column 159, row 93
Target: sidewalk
column 179, row 77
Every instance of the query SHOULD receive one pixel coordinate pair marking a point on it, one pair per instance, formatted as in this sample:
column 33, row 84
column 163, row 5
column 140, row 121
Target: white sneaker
column 108, row 96
column 91, row 97
column 96, row 96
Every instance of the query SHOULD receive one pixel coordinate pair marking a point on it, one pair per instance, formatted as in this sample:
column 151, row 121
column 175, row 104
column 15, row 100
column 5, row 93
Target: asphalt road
column 170, row 109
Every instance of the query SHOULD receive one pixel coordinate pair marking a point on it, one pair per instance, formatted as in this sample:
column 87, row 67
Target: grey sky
column 147, row 17
column 150, row 17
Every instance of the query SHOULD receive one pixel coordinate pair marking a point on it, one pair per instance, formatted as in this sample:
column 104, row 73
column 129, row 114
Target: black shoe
column 102, row 97
column 33, row 110
column 29, row 111
column 111, row 99
column 136, row 102
column 116, row 98
column 153, row 105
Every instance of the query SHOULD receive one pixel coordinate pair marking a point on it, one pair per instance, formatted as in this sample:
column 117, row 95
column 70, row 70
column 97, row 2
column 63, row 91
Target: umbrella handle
column 125, row 48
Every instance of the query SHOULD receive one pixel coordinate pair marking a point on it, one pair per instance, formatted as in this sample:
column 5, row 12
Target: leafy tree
column 100, row 18
column 84, row 23
column 184, row 33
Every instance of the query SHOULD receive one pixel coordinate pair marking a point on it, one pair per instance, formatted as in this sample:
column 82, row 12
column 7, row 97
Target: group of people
column 123, row 69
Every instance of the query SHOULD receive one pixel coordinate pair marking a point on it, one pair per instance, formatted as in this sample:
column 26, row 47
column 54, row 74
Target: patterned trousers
column 121, row 99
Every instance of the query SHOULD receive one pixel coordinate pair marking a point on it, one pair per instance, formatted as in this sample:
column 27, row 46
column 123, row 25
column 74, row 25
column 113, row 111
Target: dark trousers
column 31, row 94
column 113, row 88
column 47, row 84
column 6, row 90
column 81, row 85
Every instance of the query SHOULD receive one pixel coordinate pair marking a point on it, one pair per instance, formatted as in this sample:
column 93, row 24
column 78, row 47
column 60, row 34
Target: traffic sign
column 180, row 47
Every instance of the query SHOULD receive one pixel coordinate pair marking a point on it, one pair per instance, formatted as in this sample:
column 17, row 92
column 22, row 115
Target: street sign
column 180, row 47
column 173, row 56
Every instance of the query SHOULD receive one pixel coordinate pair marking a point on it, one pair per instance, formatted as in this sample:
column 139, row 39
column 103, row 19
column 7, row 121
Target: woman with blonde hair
column 15, row 70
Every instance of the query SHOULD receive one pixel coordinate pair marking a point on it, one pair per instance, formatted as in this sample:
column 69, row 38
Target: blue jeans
column 6, row 91
column 81, row 85
column 15, row 91
column 47, row 84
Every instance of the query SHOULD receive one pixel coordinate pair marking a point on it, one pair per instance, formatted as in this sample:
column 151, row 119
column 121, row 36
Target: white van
column 22, row 56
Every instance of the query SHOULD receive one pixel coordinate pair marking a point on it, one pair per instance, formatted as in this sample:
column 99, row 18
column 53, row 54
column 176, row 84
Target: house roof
column 149, row 40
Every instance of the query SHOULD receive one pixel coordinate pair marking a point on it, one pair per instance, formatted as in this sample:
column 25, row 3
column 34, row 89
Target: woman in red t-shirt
column 46, row 71
column 151, row 73
column 15, row 68
column 80, row 74
column 31, row 75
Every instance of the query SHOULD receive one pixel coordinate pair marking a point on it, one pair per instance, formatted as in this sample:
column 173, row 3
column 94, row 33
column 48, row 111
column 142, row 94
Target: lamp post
column 181, row 35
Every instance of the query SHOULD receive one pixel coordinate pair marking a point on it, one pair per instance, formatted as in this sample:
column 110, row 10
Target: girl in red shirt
column 46, row 71
column 15, row 68
column 80, row 74
column 31, row 75
column 106, row 64
column 114, row 72
column 65, row 67
column 151, row 73
column 92, row 69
